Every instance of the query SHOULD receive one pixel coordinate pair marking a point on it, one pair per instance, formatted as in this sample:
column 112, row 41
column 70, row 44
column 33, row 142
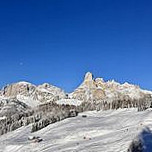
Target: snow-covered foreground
column 103, row 131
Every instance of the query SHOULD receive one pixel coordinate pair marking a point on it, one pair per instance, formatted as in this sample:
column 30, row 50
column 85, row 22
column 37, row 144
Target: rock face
column 22, row 88
column 88, row 90
column 32, row 94
column 9, row 107
column 95, row 90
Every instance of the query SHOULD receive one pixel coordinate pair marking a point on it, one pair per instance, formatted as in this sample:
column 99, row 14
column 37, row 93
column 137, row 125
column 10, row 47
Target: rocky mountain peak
column 45, row 85
column 88, row 80
column 97, row 90
column 88, row 76
column 91, row 89
column 99, row 82
column 32, row 94
column 14, row 89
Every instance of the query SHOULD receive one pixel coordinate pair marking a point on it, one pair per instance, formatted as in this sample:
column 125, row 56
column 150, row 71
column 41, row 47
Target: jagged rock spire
column 88, row 80
column 88, row 76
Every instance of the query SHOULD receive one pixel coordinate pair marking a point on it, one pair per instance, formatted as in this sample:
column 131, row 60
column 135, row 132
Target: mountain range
column 90, row 90
column 27, row 110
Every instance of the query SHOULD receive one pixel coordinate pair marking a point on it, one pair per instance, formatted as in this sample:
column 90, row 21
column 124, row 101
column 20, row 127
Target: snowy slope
column 108, row 131
column 28, row 100
column 74, row 102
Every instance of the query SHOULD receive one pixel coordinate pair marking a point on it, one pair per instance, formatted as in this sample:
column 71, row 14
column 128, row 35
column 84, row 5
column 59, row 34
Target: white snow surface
column 24, row 83
column 74, row 102
column 103, row 131
column 28, row 100
column 4, row 117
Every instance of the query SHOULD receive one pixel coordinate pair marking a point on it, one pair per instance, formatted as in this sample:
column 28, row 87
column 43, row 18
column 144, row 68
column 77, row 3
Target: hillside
column 109, row 131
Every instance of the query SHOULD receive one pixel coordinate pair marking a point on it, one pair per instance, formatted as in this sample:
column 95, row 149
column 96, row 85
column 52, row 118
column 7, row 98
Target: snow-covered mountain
column 32, row 95
column 91, row 90
column 26, row 108
column 95, row 90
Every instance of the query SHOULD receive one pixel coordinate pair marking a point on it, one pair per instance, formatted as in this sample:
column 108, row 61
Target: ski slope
column 102, row 131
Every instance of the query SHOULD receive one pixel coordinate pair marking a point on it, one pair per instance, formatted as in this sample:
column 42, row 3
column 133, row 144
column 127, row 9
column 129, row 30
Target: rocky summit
column 96, row 89
column 90, row 90
column 32, row 95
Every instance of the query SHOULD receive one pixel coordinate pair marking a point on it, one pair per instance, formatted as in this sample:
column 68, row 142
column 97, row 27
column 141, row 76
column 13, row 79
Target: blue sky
column 57, row 41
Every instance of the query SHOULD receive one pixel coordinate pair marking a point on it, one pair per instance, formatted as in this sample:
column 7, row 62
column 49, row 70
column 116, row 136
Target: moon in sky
column 21, row 63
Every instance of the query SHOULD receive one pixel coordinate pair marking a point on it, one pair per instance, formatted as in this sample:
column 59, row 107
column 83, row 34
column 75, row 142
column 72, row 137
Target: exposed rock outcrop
column 97, row 90
column 88, row 90
column 31, row 94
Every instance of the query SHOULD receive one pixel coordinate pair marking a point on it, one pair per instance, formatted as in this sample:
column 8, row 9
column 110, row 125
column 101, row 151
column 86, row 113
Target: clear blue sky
column 57, row 41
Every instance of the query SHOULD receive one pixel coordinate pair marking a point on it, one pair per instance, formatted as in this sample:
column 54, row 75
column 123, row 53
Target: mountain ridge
column 90, row 90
